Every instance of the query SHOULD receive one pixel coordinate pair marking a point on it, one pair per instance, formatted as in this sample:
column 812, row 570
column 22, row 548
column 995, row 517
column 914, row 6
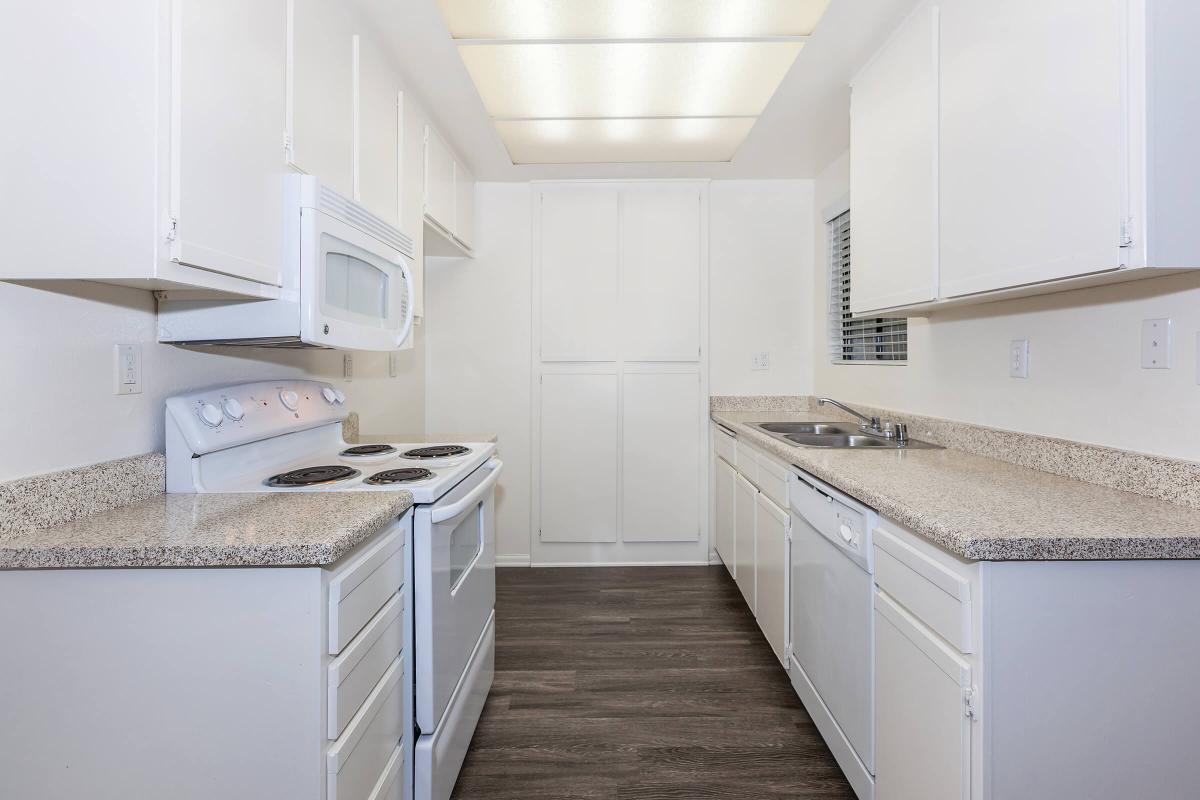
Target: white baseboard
column 514, row 560
column 620, row 564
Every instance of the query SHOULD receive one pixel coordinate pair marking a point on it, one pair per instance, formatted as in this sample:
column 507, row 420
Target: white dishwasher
column 832, row 622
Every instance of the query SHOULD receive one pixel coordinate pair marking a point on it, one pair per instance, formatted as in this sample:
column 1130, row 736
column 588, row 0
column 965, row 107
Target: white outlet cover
column 1018, row 358
column 393, row 364
column 761, row 360
column 1156, row 343
column 128, row 366
column 348, row 367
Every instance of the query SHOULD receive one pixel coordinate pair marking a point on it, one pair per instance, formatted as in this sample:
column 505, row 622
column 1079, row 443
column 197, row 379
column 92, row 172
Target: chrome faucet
column 867, row 424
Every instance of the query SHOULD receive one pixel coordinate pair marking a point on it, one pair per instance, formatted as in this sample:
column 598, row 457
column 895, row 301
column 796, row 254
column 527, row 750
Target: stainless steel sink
column 835, row 435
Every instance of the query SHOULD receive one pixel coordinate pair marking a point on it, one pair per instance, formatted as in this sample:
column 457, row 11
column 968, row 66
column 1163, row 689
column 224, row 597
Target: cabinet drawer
column 390, row 787
column 357, row 762
column 358, row 669
column 725, row 444
column 359, row 589
column 932, row 592
column 747, row 462
column 773, row 479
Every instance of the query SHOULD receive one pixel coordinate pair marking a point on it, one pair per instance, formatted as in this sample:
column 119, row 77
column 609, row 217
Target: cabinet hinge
column 1127, row 232
column 172, row 228
column 287, row 147
column 969, row 710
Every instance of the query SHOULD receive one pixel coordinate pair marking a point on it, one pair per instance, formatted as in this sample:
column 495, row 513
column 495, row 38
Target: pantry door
column 620, row 290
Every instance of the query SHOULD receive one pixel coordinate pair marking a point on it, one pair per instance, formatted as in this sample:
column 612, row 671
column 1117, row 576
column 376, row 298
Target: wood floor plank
column 640, row 683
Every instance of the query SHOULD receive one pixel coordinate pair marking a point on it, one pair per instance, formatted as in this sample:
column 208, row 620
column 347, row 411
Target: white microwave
column 347, row 285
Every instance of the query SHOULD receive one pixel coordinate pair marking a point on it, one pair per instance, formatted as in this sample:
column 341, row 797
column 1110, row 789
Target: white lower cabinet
column 922, row 731
column 725, row 517
column 744, row 504
column 771, row 525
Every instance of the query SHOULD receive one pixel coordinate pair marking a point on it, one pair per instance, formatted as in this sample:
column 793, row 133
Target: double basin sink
column 838, row 435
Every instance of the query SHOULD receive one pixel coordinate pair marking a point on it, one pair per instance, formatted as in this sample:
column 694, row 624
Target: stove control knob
column 290, row 400
column 210, row 415
column 329, row 394
column 341, row 396
column 233, row 409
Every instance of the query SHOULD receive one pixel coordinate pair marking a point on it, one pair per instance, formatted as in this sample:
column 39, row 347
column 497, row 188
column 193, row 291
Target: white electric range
column 286, row 436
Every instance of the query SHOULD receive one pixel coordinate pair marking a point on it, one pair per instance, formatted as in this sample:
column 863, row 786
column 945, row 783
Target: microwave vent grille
column 352, row 213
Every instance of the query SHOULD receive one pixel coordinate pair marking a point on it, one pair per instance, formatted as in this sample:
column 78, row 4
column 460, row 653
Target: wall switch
column 129, row 368
column 1156, row 344
column 761, row 360
column 1018, row 358
column 348, row 367
column 393, row 364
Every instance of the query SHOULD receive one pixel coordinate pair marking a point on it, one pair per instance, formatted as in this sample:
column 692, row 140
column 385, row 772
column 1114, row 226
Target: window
column 872, row 340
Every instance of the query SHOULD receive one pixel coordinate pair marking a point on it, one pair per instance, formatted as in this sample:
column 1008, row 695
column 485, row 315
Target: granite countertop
column 985, row 509
column 212, row 530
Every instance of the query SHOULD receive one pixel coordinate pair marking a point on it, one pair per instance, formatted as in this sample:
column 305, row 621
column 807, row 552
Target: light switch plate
column 761, row 360
column 1018, row 358
column 1156, row 344
column 128, row 364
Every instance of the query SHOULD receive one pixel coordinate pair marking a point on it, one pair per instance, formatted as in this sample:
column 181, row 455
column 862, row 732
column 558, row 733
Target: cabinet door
column 228, row 107
column 322, row 65
column 922, row 733
column 724, row 518
column 578, row 273
column 578, row 459
column 1032, row 141
column 464, row 204
column 439, row 180
column 893, row 169
column 744, row 503
column 660, row 273
column 378, row 144
column 661, row 430
column 772, row 566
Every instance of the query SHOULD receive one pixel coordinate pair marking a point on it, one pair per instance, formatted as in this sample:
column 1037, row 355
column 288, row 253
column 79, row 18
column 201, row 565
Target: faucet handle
column 901, row 432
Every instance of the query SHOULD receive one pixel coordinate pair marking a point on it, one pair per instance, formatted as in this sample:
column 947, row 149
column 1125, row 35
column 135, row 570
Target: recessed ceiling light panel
column 630, row 19
column 607, row 141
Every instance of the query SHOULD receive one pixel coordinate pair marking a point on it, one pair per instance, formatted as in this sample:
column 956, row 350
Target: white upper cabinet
column 378, row 132
column 1033, row 150
column 893, row 169
column 150, row 148
column 660, row 285
column 449, row 202
column 227, row 179
column 1064, row 151
column 322, row 84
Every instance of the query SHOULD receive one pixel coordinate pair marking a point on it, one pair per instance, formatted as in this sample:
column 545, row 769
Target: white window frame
column 861, row 340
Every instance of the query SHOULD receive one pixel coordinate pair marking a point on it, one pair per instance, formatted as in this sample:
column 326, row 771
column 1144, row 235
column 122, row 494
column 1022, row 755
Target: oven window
column 466, row 542
column 353, row 284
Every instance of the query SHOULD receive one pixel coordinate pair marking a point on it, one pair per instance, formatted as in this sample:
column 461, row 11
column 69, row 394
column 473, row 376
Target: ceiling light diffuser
column 586, row 81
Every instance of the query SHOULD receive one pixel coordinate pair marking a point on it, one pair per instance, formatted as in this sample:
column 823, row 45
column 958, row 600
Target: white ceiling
column 804, row 127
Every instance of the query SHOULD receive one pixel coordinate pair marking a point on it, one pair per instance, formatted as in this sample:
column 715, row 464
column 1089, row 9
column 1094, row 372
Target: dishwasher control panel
column 845, row 522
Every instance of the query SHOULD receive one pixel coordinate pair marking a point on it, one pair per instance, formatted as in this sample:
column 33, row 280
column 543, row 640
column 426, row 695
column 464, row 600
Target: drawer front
column 932, row 592
column 354, row 673
column 773, row 479
column 725, row 444
column 362, row 587
column 747, row 462
column 390, row 786
column 357, row 762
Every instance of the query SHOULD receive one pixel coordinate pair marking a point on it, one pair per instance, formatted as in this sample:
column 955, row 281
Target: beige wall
column 59, row 408
column 1085, row 379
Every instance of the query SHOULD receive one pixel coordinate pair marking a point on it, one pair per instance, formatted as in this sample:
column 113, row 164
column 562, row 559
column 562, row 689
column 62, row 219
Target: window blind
column 867, row 339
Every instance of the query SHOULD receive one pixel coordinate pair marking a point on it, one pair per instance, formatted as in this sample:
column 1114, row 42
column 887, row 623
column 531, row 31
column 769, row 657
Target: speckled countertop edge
column 989, row 510
column 268, row 529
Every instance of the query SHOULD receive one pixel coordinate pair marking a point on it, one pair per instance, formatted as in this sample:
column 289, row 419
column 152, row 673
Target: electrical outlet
column 1156, row 344
column 1018, row 358
column 348, row 367
column 761, row 360
column 393, row 364
column 128, row 363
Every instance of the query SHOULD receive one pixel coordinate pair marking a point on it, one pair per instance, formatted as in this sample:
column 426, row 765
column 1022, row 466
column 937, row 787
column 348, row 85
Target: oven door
column 356, row 293
column 454, row 581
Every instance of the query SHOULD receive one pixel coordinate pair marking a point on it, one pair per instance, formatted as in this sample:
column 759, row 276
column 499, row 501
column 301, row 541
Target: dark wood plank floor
column 651, row 683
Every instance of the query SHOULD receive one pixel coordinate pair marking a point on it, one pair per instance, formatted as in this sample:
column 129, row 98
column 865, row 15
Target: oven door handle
column 443, row 513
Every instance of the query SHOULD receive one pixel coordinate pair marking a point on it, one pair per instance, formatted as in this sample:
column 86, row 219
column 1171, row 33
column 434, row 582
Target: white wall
column 761, row 284
column 59, row 408
column 1085, row 381
column 478, row 349
column 479, row 339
